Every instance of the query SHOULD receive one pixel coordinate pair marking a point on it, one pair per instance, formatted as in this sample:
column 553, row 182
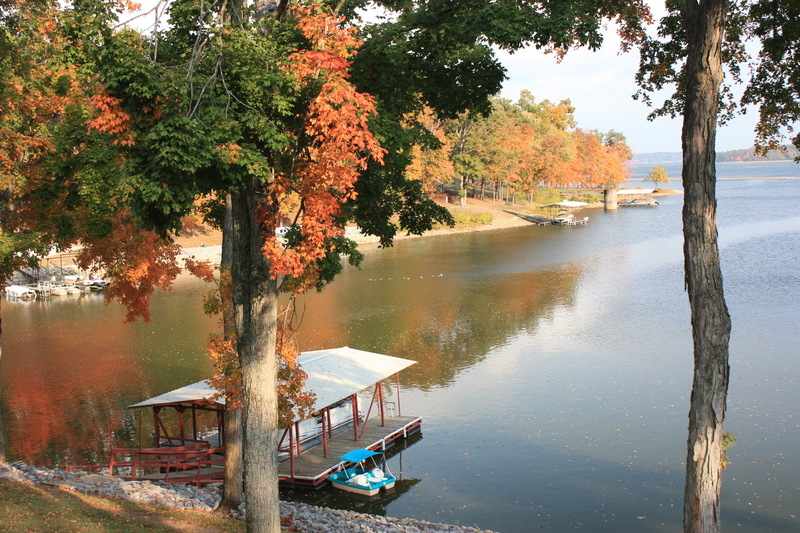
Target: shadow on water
column 71, row 366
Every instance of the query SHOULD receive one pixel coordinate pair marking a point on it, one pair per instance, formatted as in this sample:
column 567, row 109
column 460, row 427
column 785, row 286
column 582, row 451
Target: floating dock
column 312, row 467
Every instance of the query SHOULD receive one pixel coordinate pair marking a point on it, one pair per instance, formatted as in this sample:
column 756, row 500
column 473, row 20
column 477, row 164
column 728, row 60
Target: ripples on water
column 553, row 377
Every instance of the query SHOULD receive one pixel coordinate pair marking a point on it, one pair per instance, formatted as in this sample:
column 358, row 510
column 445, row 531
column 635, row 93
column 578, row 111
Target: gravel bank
column 304, row 518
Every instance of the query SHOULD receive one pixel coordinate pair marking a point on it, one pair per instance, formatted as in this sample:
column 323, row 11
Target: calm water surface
column 554, row 366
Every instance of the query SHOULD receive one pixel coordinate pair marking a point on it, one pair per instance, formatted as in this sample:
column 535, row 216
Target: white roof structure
column 194, row 393
column 339, row 372
column 567, row 203
column 635, row 191
column 333, row 375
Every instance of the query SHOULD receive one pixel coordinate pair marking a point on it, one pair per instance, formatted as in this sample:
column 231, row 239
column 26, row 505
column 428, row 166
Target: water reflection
column 560, row 357
column 71, row 365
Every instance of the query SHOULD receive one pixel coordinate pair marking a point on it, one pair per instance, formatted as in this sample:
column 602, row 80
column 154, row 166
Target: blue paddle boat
column 362, row 478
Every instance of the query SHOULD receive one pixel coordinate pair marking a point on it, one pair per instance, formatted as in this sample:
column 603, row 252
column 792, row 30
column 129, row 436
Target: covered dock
column 561, row 213
column 350, row 411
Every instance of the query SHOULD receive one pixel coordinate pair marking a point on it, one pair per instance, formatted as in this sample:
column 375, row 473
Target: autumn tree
column 46, row 188
column 258, row 104
column 527, row 144
column 602, row 160
column 430, row 159
column 657, row 175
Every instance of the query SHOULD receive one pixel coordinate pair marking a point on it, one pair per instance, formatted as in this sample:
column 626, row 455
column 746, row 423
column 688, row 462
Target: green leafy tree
column 657, row 175
column 775, row 84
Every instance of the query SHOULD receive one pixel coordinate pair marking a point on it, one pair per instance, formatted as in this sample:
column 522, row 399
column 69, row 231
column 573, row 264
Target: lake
column 554, row 365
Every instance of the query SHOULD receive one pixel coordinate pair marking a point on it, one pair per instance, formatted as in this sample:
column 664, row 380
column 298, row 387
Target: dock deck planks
column 311, row 467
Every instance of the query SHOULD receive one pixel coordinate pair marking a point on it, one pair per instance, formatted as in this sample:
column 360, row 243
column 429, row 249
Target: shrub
column 461, row 218
column 483, row 218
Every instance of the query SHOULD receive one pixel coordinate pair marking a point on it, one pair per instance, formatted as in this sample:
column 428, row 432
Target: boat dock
column 533, row 219
column 312, row 466
column 564, row 218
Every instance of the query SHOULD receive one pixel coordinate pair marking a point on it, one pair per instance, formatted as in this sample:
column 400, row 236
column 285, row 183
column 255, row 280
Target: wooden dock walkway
column 311, row 467
column 533, row 219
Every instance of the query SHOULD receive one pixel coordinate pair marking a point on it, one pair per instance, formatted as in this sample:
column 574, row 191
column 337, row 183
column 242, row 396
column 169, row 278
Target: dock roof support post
column 379, row 392
column 297, row 435
column 221, row 426
column 397, row 392
column 194, row 423
column 325, row 433
column 354, row 402
column 181, row 428
column 156, row 423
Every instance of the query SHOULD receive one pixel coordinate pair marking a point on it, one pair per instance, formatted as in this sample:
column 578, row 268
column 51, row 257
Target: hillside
column 731, row 156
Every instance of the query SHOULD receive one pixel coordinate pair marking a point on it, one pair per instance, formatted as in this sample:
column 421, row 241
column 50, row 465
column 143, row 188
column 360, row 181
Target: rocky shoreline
column 304, row 518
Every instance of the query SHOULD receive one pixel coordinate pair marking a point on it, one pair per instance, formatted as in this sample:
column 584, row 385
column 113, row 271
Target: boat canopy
column 356, row 456
column 333, row 375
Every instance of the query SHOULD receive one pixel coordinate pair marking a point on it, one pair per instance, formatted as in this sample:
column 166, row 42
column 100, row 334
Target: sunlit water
column 554, row 366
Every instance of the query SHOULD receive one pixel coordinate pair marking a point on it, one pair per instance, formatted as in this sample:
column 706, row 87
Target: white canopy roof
column 337, row 373
column 196, row 392
column 333, row 375
column 567, row 203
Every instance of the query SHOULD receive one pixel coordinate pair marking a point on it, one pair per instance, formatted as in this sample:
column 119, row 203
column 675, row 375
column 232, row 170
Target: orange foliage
column 432, row 166
column 293, row 402
column 598, row 163
column 200, row 269
column 137, row 262
column 228, row 378
column 340, row 145
column 111, row 119
column 35, row 94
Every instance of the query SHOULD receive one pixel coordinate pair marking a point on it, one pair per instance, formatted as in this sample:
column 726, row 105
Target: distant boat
column 20, row 292
column 638, row 202
column 95, row 284
column 361, row 479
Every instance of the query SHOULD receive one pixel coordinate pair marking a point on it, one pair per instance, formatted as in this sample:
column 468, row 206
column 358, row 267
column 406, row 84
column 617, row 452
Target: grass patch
column 472, row 219
column 39, row 509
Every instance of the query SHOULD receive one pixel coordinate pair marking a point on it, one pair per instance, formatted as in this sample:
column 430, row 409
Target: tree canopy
column 117, row 136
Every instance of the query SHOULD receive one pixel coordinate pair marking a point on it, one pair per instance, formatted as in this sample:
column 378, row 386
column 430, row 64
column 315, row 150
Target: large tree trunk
column 2, row 435
column 233, row 489
column 704, row 22
column 255, row 297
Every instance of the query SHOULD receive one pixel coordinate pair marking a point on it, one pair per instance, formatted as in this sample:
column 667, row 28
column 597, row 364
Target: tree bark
column 2, row 435
column 233, row 488
column 704, row 22
column 255, row 296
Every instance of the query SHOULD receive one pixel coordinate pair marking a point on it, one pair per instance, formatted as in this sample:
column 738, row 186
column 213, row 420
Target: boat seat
column 378, row 474
column 361, row 479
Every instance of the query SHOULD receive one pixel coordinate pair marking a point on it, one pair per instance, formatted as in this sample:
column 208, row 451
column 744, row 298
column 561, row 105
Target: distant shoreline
column 772, row 178
column 729, row 179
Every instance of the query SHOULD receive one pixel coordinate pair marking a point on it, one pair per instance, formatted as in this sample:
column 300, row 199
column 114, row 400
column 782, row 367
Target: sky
column 600, row 86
